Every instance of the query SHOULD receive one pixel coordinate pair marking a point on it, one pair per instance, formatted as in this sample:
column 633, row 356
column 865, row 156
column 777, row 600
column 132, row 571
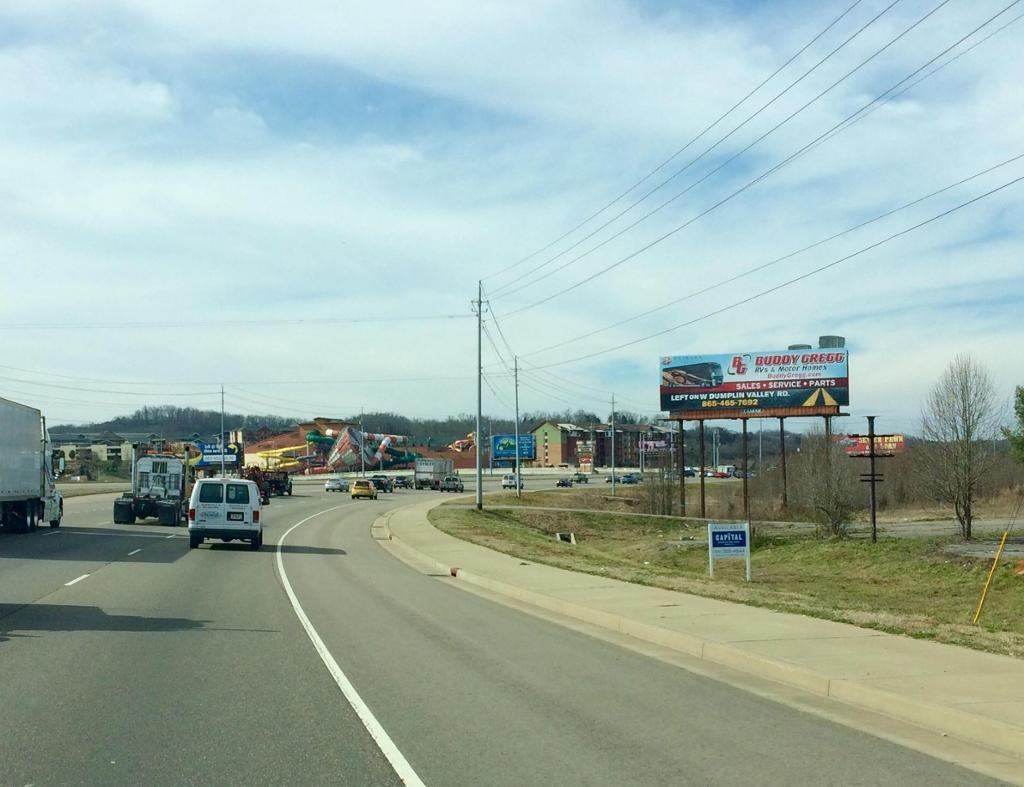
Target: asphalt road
column 162, row 665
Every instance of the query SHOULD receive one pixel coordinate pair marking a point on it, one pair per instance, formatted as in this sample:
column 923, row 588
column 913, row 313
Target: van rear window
column 238, row 493
column 211, row 493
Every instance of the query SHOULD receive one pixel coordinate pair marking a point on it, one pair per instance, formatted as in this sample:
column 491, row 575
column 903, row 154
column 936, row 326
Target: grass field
column 907, row 585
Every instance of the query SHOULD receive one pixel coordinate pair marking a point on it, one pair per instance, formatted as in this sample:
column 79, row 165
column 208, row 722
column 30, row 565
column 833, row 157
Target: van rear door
column 210, row 503
column 237, row 504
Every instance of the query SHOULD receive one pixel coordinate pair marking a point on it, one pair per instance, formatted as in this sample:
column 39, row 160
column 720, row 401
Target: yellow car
column 364, row 488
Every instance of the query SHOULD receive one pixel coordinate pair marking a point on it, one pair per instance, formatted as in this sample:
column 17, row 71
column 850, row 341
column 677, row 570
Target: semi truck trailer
column 429, row 473
column 28, row 491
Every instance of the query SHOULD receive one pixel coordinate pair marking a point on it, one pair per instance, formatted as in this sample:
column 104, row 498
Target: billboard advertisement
column 755, row 381
column 503, row 446
column 884, row 444
column 210, row 455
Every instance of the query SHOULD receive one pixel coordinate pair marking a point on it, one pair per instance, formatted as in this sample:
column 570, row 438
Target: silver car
column 335, row 485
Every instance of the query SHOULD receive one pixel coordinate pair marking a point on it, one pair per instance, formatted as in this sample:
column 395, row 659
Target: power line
column 793, row 280
column 770, row 263
column 101, row 390
column 228, row 323
column 925, row 76
column 681, row 150
column 758, row 179
column 290, row 382
column 700, row 156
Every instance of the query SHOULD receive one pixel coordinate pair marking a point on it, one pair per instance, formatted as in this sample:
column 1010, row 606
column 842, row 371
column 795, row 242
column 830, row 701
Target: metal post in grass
column 703, row 499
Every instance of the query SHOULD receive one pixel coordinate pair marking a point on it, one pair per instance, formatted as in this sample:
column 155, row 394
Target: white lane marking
column 52, row 533
column 135, row 552
column 107, row 535
column 76, row 579
column 387, row 747
column 170, row 536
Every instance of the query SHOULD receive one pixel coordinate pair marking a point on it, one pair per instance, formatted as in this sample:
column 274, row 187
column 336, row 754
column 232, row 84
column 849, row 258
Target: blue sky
column 268, row 161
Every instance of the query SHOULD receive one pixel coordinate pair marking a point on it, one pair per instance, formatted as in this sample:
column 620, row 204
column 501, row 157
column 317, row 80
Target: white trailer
column 28, row 491
column 429, row 473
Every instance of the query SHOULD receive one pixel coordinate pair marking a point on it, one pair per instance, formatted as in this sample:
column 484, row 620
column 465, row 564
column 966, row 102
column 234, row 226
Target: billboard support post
column 746, row 472
column 681, row 470
column 871, row 484
column 703, row 500
column 782, row 461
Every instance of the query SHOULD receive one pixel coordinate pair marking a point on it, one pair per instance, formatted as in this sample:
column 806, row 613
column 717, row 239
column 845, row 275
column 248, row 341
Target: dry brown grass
column 907, row 585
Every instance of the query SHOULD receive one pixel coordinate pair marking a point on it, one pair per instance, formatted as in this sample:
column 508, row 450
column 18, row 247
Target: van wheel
column 255, row 544
column 194, row 541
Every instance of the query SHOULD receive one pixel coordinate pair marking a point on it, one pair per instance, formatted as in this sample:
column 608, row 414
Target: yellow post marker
column 991, row 573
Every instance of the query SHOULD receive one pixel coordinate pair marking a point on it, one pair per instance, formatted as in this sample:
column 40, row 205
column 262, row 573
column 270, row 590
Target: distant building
column 572, row 445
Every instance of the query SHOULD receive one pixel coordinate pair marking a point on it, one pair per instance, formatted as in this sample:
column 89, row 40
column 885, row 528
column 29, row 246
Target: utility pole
column 613, row 445
column 490, row 447
column 222, row 446
column 519, row 483
column 362, row 446
column 480, row 392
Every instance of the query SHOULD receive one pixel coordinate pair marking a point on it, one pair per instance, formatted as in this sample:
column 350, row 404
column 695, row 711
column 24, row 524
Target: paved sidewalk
column 965, row 693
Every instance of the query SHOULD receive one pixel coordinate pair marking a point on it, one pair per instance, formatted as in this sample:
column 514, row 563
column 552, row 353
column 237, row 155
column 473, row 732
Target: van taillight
column 192, row 515
column 255, row 516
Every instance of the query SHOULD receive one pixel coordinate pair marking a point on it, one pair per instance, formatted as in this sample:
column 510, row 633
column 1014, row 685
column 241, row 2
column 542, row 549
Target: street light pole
column 222, row 446
column 362, row 446
column 519, row 483
column 479, row 392
column 613, row 445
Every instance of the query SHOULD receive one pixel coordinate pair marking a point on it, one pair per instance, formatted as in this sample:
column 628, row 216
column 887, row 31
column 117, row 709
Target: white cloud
column 167, row 174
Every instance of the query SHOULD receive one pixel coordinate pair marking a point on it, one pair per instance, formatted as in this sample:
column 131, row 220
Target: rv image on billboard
column 503, row 446
column 755, row 381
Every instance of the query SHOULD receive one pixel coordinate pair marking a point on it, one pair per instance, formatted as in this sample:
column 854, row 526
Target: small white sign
column 728, row 539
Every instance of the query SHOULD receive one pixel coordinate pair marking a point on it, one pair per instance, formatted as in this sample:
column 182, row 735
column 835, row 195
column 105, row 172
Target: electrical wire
column 101, row 390
column 793, row 280
column 775, row 261
column 504, row 289
column 681, row 150
column 767, row 173
column 229, row 323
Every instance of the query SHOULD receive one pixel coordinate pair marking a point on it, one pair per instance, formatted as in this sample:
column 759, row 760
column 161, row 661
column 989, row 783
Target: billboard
column 755, row 381
column 503, row 446
column 884, row 444
column 210, row 455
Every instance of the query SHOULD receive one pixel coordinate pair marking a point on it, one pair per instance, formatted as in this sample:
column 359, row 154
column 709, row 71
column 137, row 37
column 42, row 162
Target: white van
column 225, row 508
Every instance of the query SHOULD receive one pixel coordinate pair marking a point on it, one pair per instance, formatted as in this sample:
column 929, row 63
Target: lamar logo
column 738, row 366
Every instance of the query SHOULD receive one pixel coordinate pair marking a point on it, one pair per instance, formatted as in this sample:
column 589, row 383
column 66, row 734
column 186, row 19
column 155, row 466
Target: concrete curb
column 988, row 733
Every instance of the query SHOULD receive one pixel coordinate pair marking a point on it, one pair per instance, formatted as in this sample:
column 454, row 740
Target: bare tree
column 960, row 422
column 824, row 481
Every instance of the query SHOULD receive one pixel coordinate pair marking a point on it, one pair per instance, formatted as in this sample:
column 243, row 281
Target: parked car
column 581, row 478
column 451, row 483
column 383, row 483
column 689, row 472
column 402, row 482
column 335, row 485
column 225, row 508
column 364, row 487
column 566, row 481
column 509, row 481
